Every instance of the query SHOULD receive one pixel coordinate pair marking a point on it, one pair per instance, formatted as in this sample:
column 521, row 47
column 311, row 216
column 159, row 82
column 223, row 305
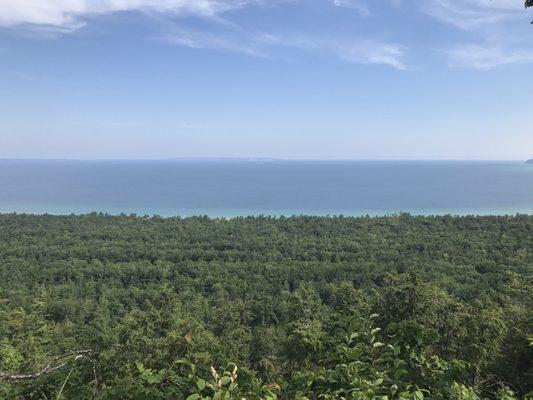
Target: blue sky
column 300, row 79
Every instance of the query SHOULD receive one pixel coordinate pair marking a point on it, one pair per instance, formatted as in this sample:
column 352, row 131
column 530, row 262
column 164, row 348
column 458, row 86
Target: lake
column 229, row 188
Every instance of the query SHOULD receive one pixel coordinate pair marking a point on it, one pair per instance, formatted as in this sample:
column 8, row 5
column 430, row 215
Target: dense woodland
column 398, row 307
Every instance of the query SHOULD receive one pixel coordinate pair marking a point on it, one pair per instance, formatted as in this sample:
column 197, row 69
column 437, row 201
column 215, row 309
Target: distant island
column 219, row 159
column 530, row 161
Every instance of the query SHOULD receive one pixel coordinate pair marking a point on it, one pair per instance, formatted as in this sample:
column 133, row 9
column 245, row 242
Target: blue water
column 234, row 188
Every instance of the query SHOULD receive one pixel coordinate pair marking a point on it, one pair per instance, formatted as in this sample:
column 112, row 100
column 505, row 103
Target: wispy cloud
column 371, row 52
column 486, row 57
column 494, row 31
column 353, row 50
column 360, row 5
column 60, row 16
column 145, row 125
column 471, row 14
column 70, row 14
column 247, row 43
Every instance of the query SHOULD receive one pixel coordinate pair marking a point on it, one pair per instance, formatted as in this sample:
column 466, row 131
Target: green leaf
column 225, row 380
column 200, row 384
column 194, row 396
column 140, row 366
column 399, row 373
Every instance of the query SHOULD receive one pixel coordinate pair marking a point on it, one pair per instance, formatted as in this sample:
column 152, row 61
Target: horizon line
column 259, row 159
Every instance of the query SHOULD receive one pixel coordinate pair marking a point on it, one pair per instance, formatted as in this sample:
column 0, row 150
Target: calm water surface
column 232, row 188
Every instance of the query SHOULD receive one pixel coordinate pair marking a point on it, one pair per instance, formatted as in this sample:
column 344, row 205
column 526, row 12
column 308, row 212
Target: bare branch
column 54, row 365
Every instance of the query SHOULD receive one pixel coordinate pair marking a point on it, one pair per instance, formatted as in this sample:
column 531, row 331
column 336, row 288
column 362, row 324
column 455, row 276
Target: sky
column 292, row 79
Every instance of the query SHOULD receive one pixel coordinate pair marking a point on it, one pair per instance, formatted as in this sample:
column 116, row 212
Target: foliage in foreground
column 368, row 365
column 362, row 368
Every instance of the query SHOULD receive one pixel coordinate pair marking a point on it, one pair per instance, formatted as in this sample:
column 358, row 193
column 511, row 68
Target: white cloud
column 355, row 50
column 358, row 5
column 498, row 24
column 69, row 14
column 248, row 44
column 471, row 14
column 352, row 50
column 486, row 57
column 494, row 31
column 371, row 52
column 66, row 15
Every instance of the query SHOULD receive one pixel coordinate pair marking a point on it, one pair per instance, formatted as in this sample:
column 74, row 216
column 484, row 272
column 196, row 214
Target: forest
column 142, row 307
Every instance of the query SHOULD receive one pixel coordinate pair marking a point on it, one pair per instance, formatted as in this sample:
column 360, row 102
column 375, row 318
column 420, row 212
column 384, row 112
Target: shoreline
column 259, row 215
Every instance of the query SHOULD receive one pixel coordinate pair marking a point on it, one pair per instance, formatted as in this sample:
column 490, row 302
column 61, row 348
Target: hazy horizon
column 252, row 159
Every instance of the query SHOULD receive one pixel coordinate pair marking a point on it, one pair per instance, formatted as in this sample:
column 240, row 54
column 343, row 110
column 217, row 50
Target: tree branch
column 54, row 365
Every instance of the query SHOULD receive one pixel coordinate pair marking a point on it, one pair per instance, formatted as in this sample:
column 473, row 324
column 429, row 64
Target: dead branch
column 55, row 364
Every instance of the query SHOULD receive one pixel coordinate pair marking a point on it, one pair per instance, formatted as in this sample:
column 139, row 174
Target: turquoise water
column 239, row 188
